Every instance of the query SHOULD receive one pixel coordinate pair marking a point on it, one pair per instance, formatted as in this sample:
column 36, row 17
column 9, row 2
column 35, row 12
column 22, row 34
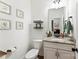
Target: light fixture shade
column 56, row 1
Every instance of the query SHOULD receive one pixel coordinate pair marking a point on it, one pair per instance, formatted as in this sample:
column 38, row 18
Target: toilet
column 33, row 53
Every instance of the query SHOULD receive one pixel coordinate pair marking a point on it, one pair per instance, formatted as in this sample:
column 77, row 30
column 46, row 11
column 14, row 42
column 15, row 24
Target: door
column 66, row 54
column 50, row 53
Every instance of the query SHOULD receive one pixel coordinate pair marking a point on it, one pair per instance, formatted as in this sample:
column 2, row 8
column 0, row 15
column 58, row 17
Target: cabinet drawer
column 58, row 46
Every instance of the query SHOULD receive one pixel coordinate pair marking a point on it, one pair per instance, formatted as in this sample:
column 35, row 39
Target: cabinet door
column 65, row 54
column 50, row 53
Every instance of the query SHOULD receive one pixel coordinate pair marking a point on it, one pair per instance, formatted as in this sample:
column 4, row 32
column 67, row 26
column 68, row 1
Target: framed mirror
column 56, row 20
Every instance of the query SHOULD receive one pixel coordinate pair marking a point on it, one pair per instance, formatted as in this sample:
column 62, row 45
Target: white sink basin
column 38, row 40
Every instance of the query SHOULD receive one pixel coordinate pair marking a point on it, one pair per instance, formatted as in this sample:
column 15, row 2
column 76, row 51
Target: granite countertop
column 59, row 40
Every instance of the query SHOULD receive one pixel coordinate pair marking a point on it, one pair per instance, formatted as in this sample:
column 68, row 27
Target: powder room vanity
column 57, row 48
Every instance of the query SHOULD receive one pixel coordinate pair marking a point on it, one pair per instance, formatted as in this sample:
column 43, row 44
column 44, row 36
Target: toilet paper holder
column 11, row 49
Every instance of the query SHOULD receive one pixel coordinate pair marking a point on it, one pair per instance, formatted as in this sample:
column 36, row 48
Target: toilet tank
column 37, row 44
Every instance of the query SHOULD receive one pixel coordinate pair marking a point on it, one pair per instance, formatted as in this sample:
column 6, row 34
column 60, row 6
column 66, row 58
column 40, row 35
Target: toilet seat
column 32, row 53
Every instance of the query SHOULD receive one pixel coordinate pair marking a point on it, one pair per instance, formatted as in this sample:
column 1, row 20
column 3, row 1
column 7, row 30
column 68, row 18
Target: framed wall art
column 19, row 25
column 5, row 24
column 5, row 8
column 19, row 13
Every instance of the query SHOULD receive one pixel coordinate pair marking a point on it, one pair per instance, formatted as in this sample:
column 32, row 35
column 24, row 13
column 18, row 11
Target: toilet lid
column 32, row 53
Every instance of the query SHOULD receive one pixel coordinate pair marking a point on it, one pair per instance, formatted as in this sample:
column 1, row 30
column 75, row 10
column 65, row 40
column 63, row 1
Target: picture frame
column 5, row 8
column 19, row 13
column 5, row 24
column 19, row 25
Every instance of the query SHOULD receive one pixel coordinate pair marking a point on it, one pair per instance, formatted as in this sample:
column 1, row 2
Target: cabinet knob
column 75, row 49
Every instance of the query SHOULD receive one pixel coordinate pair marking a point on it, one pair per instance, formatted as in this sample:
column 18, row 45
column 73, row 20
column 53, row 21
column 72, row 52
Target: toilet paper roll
column 13, row 49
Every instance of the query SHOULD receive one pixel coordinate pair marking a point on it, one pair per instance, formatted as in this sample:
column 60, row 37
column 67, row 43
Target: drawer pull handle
column 57, row 54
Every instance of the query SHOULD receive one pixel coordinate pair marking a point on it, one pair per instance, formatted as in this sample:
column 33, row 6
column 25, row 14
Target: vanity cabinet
column 66, row 54
column 49, row 53
column 54, row 50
